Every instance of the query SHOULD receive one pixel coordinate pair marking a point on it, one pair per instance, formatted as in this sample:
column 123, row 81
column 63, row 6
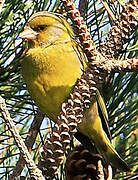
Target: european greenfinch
column 51, row 67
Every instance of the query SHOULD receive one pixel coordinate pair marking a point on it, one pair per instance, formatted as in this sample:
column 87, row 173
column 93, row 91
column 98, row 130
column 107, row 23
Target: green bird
column 51, row 69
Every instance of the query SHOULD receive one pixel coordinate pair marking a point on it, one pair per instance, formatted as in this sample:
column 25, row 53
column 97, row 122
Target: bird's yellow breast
column 50, row 73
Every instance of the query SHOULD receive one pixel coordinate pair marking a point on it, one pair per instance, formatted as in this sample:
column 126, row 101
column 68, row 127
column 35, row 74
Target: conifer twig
column 113, row 65
column 109, row 173
column 29, row 142
column 34, row 171
column 100, row 170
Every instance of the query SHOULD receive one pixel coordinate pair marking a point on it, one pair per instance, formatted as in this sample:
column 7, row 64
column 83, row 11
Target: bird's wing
column 103, row 114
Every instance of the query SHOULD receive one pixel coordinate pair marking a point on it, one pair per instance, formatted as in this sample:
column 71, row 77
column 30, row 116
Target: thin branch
column 100, row 170
column 113, row 65
column 83, row 7
column 34, row 171
column 110, row 174
column 29, row 142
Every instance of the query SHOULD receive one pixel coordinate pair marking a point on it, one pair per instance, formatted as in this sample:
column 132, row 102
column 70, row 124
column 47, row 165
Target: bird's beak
column 28, row 33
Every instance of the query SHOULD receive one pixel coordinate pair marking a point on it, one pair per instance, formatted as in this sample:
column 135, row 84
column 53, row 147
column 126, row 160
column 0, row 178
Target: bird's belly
column 49, row 99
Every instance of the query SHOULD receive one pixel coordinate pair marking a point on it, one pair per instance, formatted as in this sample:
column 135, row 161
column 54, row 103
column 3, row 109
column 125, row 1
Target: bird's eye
column 39, row 28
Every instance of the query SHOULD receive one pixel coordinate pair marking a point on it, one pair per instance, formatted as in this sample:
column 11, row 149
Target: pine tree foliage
column 122, row 91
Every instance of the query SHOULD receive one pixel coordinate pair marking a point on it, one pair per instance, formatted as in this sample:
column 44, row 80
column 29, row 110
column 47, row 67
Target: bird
column 53, row 62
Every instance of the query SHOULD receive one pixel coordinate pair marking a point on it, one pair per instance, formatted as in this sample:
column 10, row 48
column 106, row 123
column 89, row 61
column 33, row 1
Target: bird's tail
column 110, row 155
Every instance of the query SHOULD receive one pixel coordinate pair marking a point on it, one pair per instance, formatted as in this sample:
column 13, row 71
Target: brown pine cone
column 82, row 164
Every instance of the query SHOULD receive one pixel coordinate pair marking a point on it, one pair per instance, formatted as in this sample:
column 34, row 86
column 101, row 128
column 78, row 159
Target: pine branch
column 83, row 6
column 113, row 65
column 29, row 142
column 34, row 171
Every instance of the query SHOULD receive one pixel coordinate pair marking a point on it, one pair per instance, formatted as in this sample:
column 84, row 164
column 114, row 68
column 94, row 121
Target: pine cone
column 120, row 33
column 82, row 164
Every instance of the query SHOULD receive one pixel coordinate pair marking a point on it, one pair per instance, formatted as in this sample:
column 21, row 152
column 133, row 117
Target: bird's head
column 45, row 28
